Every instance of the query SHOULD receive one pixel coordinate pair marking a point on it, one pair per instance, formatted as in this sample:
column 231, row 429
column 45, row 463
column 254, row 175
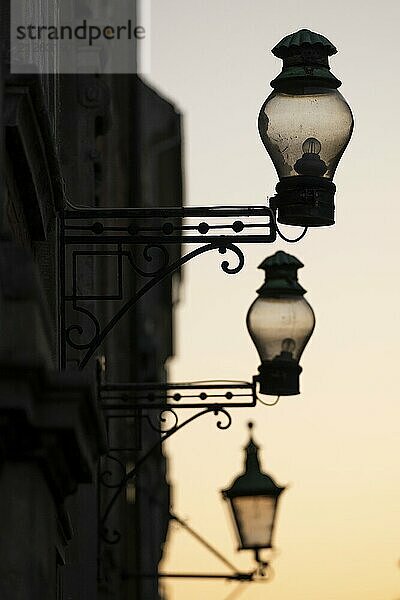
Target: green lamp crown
column 303, row 37
column 281, row 276
column 305, row 61
column 253, row 482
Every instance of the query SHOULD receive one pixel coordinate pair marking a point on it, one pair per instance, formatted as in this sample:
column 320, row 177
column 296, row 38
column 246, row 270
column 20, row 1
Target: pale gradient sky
column 337, row 444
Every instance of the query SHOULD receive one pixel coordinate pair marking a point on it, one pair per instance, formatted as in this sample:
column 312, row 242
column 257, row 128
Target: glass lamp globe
column 253, row 499
column 280, row 322
column 305, row 125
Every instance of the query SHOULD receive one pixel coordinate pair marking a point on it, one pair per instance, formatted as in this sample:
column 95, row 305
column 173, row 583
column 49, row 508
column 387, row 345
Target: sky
column 336, row 446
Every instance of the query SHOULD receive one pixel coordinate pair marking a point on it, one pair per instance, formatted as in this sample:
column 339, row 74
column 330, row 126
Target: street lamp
column 253, row 499
column 280, row 322
column 305, row 125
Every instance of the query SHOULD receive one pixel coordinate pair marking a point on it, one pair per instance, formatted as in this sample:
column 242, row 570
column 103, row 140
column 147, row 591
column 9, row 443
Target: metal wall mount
column 141, row 241
column 161, row 405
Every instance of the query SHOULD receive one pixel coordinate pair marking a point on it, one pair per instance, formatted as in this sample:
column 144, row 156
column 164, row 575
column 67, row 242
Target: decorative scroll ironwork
column 160, row 405
column 139, row 241
column 124, row 478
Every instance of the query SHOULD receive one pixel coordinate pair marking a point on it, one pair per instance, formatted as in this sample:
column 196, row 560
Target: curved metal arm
column 168, row 270
column 282, row 236
column 116, row 536
column 204, row 542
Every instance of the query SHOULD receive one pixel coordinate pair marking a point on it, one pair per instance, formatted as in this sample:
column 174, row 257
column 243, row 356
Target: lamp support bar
column 123, row 397
column 235, row 575
column 204, row 542
column 228, row 577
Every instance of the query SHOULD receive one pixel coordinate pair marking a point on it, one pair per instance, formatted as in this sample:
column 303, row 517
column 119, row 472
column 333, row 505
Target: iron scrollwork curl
column 225, row 264
column 108, row 538
column 162, row 418
column 148, row 255
column 79, row 330
column 106, row 475
column 220, row 424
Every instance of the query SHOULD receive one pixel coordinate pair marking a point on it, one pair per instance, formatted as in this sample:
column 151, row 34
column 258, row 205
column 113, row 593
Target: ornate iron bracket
column 134, row 239
column 160, row 404
column 118, row 486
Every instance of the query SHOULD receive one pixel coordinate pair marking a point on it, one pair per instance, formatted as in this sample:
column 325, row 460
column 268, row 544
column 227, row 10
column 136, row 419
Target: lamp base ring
column 279, row 377
column 305, row 201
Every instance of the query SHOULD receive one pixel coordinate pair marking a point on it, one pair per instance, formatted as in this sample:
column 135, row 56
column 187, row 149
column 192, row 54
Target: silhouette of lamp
column 305, row 125
column 280, row 322
column 253, row 498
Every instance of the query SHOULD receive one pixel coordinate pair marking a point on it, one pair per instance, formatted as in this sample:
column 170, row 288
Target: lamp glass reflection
column 255, row 516
column 309, row 120
column 280, row 326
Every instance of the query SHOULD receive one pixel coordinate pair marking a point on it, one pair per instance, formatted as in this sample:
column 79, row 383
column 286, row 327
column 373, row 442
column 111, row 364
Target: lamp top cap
column 253, row 482
column 281, row 260
column 281, row 276
column 303, row 37
column 305, row 62
column 251, row 447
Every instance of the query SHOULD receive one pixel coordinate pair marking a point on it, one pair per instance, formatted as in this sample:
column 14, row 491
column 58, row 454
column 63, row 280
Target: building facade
column 98, row 142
